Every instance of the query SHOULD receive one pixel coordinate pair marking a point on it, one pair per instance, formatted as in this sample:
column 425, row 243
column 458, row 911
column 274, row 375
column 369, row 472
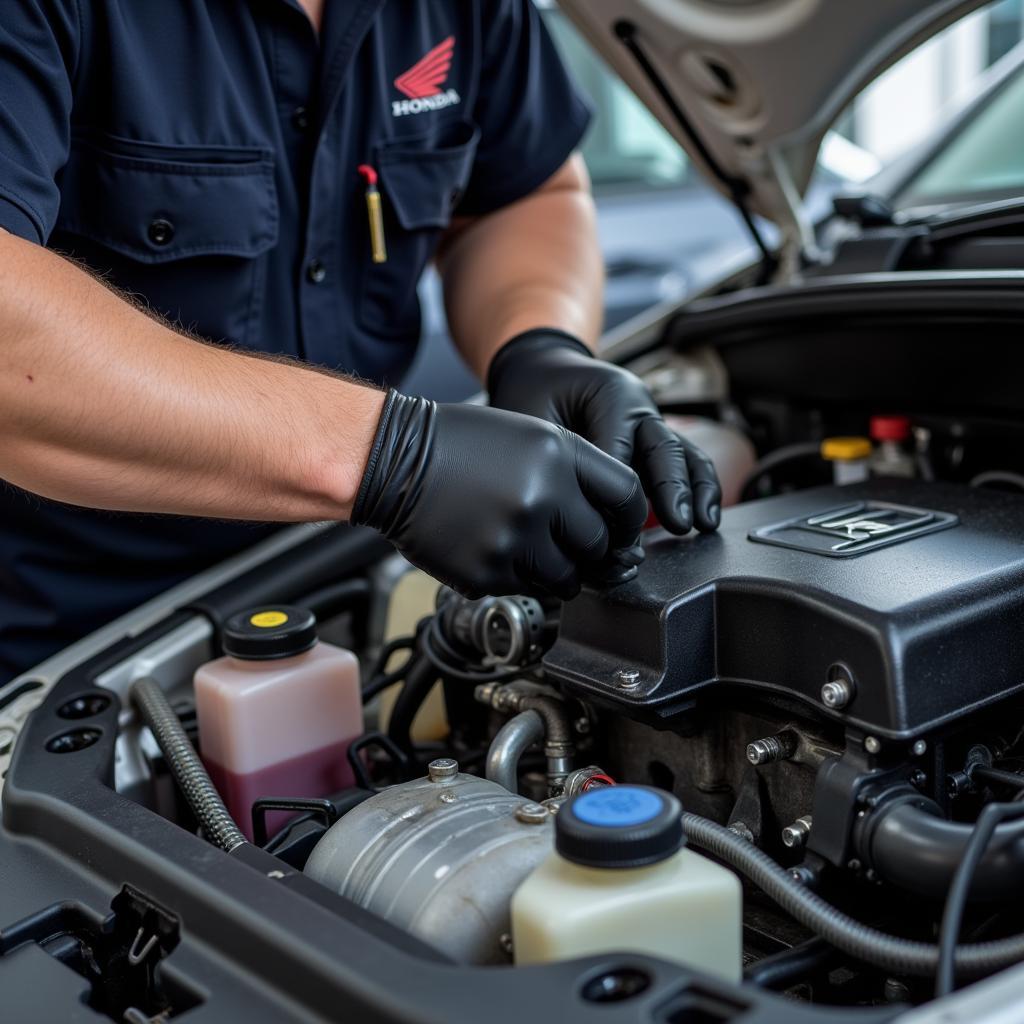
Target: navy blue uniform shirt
column 203, row 154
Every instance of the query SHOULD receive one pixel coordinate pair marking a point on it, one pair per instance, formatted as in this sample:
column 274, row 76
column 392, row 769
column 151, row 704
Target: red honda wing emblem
column 427, row 75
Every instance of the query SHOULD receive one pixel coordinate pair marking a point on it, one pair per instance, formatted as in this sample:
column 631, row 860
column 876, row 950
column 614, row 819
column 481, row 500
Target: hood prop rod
column 736, row 187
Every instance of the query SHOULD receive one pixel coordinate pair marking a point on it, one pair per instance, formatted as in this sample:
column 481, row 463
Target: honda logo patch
column 423, row 83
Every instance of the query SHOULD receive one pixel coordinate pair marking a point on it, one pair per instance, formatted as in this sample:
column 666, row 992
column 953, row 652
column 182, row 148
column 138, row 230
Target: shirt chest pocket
column 182, row 227
column 421, row 183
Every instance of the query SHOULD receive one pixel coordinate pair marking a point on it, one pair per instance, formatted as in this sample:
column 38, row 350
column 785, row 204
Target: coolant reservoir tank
column 277, row 713
column 621, row 880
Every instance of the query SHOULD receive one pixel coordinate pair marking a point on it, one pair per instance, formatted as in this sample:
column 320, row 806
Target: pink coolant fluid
column 277, row 713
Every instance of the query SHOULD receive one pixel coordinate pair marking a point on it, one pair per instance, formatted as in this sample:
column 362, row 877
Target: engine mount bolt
column 896, row 991
column 918, row 748
column 532, row 813
column 795, row 835
column 626, row 678
column 779, row 747
column 871, row 744
column 442, row 768
column 804, row 875
column 742, row 829
column 836, row 694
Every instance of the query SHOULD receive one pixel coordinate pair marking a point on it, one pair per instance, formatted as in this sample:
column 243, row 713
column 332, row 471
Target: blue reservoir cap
column 618, row 806
column 619, row 827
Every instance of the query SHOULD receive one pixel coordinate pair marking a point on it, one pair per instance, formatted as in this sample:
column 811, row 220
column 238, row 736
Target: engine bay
column 831, row 687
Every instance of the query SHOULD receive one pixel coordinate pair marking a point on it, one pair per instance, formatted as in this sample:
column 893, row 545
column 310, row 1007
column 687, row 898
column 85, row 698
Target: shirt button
column 316, row 271
column 161, row 231
column 300, row 119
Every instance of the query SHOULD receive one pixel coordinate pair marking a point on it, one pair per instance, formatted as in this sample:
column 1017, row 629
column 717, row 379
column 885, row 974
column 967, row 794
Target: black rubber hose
column 188, row 771
column 328, row 601
column 790, row 966
column 953, row 914
column 419, row 679
column 918, row 851
column 901, row 956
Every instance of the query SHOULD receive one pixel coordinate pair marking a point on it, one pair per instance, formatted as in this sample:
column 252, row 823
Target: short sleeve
column 530, row 114
column 38, row 53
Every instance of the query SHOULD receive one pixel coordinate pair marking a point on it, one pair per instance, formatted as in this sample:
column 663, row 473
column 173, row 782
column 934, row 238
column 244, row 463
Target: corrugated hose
column 188, row 771
column 902, row 956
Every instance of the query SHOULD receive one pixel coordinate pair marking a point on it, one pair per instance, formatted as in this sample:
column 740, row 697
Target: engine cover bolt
column 626, row 678
column 779, row 747
column 836, row 694
column 871, row 744
column 442, row 768
column 918, row 778
column 532, row 813
column 795, row 835
column 918, row 748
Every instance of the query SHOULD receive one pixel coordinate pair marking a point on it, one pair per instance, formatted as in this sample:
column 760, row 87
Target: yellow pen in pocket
column 378, row 248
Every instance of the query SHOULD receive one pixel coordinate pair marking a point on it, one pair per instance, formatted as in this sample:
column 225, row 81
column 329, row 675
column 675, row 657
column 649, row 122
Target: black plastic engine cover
column 923, row 604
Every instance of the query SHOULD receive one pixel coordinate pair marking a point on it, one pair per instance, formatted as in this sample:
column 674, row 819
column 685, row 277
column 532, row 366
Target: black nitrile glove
column 551, row 375
column 491, row 502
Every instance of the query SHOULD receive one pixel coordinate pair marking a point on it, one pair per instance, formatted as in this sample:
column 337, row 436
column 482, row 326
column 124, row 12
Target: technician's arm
column 101, row 405
column 533, row 263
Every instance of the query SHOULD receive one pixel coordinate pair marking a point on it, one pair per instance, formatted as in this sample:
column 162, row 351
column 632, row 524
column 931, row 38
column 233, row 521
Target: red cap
column 368, row 174
column 889, row 428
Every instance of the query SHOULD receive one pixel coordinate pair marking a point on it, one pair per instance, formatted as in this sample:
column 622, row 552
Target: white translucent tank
column 678, row 905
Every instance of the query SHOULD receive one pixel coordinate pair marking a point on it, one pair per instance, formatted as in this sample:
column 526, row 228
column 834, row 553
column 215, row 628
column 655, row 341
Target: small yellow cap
column 267, row 620
column 845, row 449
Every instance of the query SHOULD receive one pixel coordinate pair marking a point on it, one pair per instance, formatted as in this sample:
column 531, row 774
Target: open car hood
column 749, row 87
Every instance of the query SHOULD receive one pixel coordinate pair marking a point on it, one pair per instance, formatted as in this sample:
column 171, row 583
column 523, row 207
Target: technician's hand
column 551, row 375
column 491, row 502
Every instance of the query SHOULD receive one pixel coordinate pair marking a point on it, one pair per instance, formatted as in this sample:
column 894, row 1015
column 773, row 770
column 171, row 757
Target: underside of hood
column 749, row 87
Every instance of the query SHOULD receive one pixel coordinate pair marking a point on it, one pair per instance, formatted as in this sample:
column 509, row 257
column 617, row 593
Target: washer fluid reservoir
column 621, row 880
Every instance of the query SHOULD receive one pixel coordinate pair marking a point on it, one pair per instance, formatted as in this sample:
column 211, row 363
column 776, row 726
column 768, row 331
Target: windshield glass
column 944, row 122
column 983, row 160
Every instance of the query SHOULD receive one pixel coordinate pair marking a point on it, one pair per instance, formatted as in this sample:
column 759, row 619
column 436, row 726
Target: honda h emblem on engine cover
column 853, row 529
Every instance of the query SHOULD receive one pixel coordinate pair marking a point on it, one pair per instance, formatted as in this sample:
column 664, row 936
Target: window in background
column 1005, row 22
column 984, row 160
column 922, row 92
column 626, row 147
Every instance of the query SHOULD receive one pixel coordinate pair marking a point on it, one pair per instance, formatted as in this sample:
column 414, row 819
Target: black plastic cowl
column 619, row 827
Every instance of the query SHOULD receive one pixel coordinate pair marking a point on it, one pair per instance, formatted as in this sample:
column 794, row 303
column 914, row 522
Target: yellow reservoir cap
column 268, row 620
column 845, row 449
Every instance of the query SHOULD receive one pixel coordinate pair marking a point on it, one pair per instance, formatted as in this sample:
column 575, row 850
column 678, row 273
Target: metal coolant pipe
column 511, row 741
column 188, row 771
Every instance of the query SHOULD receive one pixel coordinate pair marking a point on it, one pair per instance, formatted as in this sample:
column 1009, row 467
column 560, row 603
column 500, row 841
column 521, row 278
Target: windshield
column 983, row 160
column 944, row 122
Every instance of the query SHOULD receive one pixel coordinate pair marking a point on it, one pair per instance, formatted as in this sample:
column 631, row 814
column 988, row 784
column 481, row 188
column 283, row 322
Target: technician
column 244, row 194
